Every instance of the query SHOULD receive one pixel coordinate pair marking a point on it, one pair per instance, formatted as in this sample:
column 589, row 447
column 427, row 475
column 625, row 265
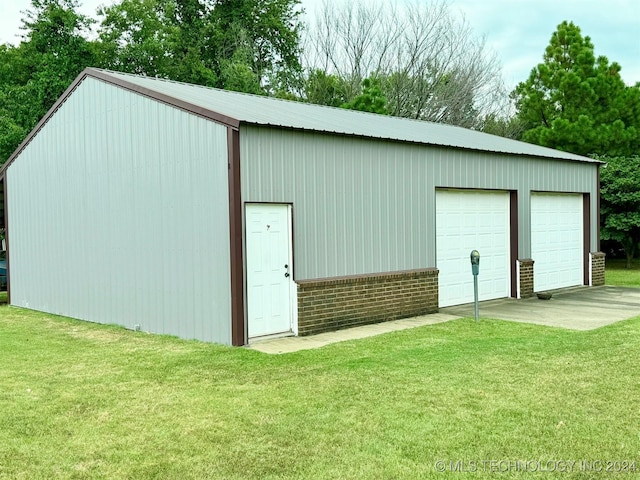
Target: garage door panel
column 467, row 220
column 557, row 240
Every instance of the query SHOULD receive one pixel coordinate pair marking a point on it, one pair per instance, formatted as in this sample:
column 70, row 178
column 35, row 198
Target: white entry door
column 472, row 220
column 269, row 269
column 556, row 240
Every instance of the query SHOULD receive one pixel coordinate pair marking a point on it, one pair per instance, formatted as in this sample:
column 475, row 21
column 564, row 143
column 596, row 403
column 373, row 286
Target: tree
column 268, row 31
column 577, row 103
column 503, row 126
column 247, row 45
column 35, row 73
column 430, row 66
column 370, row 100
column 161, row 38
column 620, row 203
column 323, row 89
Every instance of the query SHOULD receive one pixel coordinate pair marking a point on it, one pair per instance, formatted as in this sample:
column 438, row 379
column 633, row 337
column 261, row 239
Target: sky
column 516, row 30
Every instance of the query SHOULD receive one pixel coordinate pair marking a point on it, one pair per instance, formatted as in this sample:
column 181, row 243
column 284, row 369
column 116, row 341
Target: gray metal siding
column 267, row 111
column 119, row 214
column 363, row 206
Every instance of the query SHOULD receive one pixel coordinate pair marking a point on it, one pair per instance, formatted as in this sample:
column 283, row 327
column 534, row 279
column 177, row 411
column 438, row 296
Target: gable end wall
column 119, row 212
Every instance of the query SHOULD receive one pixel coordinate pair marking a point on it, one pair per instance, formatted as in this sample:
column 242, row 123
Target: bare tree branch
column 431, row 65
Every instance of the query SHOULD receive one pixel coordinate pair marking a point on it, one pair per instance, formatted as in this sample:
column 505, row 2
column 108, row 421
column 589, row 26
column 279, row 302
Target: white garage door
column 468, row 220
column 556, row 240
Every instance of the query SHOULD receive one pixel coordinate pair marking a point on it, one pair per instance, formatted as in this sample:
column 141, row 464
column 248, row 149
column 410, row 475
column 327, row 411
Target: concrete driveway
column 579, row 308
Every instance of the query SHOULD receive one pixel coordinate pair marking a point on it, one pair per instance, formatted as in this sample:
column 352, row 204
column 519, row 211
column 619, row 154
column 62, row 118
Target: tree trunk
column 629, row 250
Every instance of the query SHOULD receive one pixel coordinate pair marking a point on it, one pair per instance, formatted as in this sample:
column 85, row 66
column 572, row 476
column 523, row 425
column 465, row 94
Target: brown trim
column 105, row 76
column 473, row 189
column 559, row 192
column 598, row 210
column 513, row 233
column 586, row 238
column 238, row 330
column 3, row 179
column 293, row 246
column 348, row 278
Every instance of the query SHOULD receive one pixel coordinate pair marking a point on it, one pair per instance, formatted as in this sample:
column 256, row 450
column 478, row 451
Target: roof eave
column 552, row 155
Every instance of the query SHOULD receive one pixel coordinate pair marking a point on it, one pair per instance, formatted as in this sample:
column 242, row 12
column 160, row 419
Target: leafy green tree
column 620, row 203
column 135, row 36
column 246, row 45
column 371, row 99
column 269, row 30
column 163, row 38
column 35, row 73
column 11, row 133
column 237, row 75
column 323, row 89
column 55, row 50
column 503, row 126
column 577, row 103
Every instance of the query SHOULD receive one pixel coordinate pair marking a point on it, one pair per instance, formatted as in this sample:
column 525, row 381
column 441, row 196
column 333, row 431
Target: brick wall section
column 526, row 277
column 597, row 268
column 331, row 304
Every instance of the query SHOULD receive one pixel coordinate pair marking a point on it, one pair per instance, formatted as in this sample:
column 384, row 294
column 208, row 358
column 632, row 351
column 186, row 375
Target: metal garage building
column 220, row 216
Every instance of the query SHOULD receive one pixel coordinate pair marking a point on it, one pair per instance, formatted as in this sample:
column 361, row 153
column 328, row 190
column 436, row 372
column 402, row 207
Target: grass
column 80, row 400
column 617, row 274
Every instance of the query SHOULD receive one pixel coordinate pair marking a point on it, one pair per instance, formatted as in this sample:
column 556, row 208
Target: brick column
column 596, row 267
column 334, row 303
column 526, row 277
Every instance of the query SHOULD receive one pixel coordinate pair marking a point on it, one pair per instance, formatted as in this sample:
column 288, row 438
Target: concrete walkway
column 293, row 344
column 579, row 308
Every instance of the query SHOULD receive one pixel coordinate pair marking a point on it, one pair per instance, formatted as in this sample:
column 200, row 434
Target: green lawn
column 79, row 400
column 616, row 273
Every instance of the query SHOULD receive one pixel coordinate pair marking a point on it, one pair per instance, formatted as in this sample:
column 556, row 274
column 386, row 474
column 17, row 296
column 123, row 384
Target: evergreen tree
column 576, row 102
column 370, row 100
